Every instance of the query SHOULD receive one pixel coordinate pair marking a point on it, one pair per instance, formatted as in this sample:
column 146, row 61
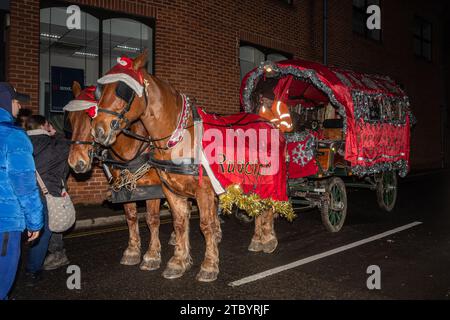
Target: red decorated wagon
column 344, row 129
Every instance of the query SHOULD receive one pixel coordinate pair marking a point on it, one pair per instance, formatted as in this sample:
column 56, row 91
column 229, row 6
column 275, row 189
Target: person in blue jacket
column 20, row 201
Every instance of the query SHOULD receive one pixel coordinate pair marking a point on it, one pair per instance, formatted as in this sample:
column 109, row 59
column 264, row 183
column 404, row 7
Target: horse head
column 78, row 123
column 121, row 99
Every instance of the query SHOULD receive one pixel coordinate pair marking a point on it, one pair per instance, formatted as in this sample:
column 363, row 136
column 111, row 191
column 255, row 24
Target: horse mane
column 161, row 82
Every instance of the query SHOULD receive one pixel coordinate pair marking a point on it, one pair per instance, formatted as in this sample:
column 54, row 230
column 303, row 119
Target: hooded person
column 20, row 201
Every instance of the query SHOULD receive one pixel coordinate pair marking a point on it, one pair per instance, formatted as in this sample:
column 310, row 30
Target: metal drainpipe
column 325, row 35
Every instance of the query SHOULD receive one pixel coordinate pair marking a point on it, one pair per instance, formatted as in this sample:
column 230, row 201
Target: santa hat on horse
column 124, row 71
column 84, row 101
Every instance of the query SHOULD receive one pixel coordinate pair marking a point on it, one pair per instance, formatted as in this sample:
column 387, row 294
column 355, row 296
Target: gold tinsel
column 253, row 204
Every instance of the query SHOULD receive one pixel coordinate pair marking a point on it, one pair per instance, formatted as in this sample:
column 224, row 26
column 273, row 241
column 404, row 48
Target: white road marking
column 298, row 263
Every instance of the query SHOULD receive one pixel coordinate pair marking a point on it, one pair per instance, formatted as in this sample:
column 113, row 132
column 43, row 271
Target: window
column 251, row 56
column 422, row 38
column 85, row 54
column 124, row 36
column 359, row 19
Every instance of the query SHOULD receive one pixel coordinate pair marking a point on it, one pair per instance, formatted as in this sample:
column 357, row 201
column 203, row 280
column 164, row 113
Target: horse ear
column 76, row 89
column 140, row 60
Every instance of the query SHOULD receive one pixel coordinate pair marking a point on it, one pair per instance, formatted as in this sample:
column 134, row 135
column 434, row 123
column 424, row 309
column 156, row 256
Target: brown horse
column 159, row 108
column 80, row 160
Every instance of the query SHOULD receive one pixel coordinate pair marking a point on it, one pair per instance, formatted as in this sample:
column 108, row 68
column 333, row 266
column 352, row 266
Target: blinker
column 124, row 92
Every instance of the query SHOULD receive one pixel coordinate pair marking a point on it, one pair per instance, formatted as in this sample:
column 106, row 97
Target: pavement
column 107, row 214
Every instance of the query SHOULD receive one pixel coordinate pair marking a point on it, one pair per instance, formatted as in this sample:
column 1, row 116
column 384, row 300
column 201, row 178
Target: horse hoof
column 150, row 265
column 172, row 240
column 255, row 246
column 270, row 246
column 207, row 276
column 131, row 259
column 172, row 273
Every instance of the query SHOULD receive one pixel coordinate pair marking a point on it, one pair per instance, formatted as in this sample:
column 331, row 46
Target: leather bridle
column 124, row 92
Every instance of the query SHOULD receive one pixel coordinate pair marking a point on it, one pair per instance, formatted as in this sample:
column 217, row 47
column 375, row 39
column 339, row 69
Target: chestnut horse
column 159, row 107
column 80, row 160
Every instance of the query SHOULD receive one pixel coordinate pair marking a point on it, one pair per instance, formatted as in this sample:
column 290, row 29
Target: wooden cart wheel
column 334, row 211
column 387, row 190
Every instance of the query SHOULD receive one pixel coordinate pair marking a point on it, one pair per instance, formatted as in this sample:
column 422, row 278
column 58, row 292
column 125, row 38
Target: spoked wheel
column 387, row 190
column 334, row 211
column 242, row 216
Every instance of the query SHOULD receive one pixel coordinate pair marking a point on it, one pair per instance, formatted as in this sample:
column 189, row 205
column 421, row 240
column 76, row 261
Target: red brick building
column 201, row 46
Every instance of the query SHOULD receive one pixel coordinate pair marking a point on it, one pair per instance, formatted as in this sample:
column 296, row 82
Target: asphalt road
column 413, row 263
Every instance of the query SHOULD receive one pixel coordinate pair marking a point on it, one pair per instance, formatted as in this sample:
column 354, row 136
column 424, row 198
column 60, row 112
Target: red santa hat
column 124, row 71
column 84, row 101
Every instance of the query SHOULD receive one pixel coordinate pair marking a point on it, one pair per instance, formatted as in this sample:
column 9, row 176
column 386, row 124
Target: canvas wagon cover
column 375, row 109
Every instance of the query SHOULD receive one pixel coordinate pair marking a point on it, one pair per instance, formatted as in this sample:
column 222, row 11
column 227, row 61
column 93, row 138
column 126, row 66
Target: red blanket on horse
column 245, row 150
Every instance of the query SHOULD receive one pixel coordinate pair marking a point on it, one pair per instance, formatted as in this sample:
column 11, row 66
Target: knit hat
column 84, row 101
column 8, row 93
column 124, row 71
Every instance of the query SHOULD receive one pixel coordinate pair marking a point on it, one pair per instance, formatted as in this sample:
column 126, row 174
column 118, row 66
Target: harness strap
column 92, row 143
column 41, row 183
column 131, row 165
column 167, row 185
column 137, row 136
column 186, row 166
column 120, row 115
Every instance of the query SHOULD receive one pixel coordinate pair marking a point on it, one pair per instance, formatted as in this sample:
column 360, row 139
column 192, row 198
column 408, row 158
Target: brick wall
column 23, row 48
column 197, row 50
column 394, row 56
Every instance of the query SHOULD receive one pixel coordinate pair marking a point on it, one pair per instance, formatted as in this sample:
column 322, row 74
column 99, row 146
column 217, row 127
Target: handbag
column 61, row 211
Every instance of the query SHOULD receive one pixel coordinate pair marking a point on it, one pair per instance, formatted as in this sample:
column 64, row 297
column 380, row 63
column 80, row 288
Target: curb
column 111, row 220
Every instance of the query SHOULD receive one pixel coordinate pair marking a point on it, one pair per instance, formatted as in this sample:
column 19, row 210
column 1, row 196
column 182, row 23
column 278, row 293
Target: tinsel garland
column 401, row 166
column 343, row 79
column 252, row 204
column 363, row 103
column 305, row 75
column 296, row 136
